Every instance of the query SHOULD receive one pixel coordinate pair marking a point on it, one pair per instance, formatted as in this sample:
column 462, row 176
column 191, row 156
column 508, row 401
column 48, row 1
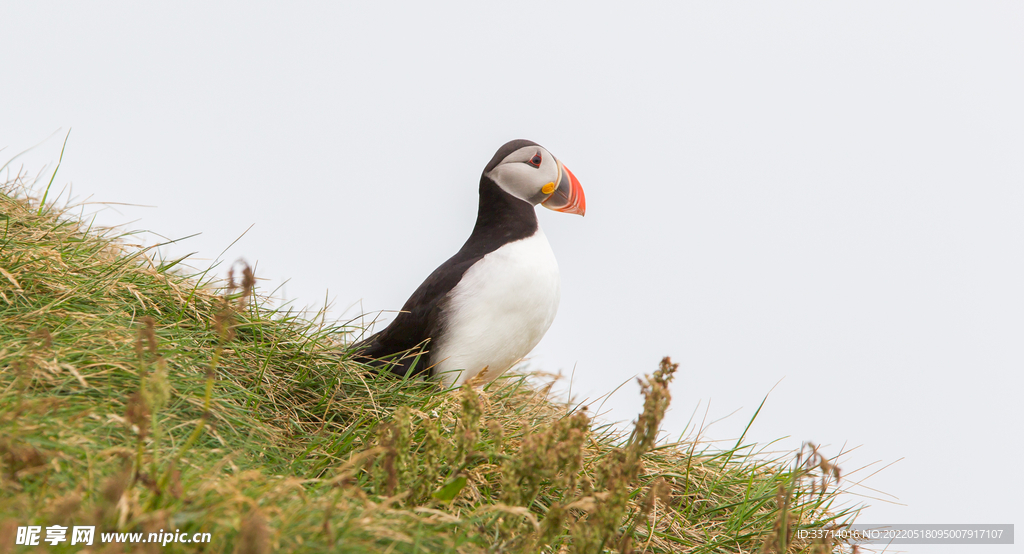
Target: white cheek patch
column 521, row 179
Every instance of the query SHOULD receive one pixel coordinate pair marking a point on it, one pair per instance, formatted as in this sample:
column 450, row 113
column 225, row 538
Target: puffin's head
column 527, row 171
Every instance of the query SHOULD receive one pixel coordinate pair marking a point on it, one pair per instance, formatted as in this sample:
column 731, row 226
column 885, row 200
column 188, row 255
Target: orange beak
column 568, row 196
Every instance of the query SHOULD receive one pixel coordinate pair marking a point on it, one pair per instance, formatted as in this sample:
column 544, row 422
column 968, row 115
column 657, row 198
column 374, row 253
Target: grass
column 136, row 397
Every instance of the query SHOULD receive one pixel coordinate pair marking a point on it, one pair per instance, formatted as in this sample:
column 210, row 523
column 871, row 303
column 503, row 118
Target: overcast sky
column 826, row 195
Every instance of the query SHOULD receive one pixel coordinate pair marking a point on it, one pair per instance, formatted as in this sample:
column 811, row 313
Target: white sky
column 830, row 195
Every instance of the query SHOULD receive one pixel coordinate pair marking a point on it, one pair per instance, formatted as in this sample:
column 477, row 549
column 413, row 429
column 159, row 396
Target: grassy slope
column 134, row 398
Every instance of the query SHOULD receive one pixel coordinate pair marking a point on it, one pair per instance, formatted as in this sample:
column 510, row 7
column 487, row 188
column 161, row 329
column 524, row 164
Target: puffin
column 487, row 307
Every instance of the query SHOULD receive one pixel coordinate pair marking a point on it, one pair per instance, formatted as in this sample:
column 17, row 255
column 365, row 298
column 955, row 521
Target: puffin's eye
column 535, row 160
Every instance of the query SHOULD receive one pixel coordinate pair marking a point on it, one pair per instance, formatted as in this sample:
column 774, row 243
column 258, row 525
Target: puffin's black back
column 501, row 219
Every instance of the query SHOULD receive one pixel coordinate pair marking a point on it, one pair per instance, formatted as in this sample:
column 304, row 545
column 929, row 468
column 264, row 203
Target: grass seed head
column 254, row 534
column 44, row 338
column 247, row 286
column 158, row 386
column 66, row 507
column 656, row 401
column 115, row 485
column 8, row 534
column 149, row 333
column 659, row 490
column 18, row 456
column 468, row 430
column 223, row 322
column 137, row 413
column 394, row 438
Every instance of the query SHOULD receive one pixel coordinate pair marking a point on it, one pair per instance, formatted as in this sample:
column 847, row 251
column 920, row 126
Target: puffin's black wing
column 418, row 322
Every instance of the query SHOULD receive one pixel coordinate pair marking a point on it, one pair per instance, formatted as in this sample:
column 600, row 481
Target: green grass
column 137, row 397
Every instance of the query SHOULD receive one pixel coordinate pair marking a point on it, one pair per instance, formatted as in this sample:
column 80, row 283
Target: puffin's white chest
column 499, row 311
